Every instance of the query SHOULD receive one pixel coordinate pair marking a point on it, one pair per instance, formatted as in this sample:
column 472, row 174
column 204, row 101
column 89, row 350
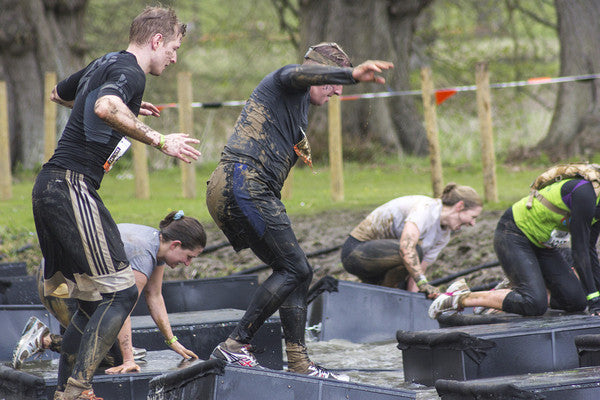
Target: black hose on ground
column 467, row 271
column 261, row 267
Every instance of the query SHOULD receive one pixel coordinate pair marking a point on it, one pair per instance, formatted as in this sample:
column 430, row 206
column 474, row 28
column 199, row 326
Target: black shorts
column 80, row 241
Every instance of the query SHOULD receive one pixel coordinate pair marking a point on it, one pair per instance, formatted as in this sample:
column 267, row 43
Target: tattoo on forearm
column 411, row 258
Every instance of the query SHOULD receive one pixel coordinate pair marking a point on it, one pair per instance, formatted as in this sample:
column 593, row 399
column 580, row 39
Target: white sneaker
column 320, row 372
column 457, row 286
column 449, row 300
column 30, row 342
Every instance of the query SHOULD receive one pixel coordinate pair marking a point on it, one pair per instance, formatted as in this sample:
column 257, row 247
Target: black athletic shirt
column 275, row 117
column 87, row 142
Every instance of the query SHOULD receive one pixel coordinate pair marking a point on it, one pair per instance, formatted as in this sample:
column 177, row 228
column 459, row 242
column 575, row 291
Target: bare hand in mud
column 431, row 291
column 366, row 72
column 178, row 145
column 127, row 366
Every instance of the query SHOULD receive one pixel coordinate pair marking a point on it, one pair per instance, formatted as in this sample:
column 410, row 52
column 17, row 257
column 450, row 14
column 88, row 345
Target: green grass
column 365, row 186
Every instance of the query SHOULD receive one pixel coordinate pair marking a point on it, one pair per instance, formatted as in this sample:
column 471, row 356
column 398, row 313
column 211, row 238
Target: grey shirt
column 141, row 246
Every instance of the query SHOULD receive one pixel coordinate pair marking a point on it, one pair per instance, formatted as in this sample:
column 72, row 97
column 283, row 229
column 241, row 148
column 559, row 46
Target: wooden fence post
column 186, row 125
column 484, row 110
column 140, row 168
column 335, row 148
column 5, row 173
column 429, row 110
column 49, row 116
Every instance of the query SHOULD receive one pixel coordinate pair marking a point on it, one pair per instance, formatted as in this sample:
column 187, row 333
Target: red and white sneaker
column 243, row 357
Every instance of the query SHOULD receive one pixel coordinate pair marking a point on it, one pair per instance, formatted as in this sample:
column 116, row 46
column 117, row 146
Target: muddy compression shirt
column 87, row 141
column 275, row 119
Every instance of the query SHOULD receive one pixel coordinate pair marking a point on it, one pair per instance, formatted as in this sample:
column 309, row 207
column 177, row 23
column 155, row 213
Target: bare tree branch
column 283, row 6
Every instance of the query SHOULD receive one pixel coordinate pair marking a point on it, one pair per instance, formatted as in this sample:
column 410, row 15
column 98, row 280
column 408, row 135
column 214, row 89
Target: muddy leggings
column 285, row 290
column 90, row 334
column 377, row 262
column 531, row 270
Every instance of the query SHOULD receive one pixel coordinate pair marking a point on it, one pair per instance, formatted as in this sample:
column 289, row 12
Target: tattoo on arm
column 408, row 245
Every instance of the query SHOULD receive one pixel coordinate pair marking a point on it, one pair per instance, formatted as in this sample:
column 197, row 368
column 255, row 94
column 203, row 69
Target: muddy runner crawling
column 527, row 241
column 243, row 194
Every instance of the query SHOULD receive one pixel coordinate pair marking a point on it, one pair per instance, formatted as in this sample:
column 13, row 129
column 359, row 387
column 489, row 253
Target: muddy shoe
column 320, row 372
column 243, row 357
column 30, row 342
column 446, row 302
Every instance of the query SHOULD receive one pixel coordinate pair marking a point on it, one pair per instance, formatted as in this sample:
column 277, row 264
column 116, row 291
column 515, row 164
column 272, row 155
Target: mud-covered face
column 320, row 95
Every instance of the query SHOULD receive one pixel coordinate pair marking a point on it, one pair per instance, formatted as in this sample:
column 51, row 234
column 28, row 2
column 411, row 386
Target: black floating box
column 205, row 294
column 483, row 351
column 363, row 313
column 235, row 383
column 202, row 331
column 19, row 290
column 14, row 317
column 13, row 269
column 573, row 384
column 588, row 349
column 37, row 380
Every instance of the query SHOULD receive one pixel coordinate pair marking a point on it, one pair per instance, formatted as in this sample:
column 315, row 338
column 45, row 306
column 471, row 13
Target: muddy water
column 378, row 364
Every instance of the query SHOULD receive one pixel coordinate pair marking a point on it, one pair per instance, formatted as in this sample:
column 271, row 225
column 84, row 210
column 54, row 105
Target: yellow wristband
column 171, row 341
column 161, row 142
column 593, row 295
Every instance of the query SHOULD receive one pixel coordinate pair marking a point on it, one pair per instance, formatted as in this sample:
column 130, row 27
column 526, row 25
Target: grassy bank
column 364, row 185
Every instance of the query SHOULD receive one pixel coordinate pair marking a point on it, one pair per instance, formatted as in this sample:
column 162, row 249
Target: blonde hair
column 453, row 193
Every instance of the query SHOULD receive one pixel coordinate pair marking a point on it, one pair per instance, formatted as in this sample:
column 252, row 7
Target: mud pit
column 472, row 246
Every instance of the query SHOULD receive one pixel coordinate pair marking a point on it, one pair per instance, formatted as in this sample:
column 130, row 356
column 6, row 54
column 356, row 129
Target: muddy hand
column 182, row 351
column 127, row 366
column 179, row 145
column 367, row 71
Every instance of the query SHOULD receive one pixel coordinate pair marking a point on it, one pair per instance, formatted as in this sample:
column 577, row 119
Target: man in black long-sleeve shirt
column 243, row 195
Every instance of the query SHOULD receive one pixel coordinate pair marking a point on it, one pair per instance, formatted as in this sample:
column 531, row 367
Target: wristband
column 422, row 280
column 161, row 141
column 592, row 295
column 171, row 341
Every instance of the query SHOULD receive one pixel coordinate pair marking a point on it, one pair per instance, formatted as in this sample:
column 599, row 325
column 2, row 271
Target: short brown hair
column 454, row 193
column 328, row 54
column 155, row 20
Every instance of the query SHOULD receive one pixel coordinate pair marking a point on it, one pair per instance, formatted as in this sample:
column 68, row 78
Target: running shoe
column 243, row 357
column 448, row 301
column 457, row 286
column 30, row 342
column 320, row 372
column 138, row 353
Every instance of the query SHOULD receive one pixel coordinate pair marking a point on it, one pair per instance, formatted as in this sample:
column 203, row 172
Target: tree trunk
column 575, row 126
column 383, row 29
column 36, row 36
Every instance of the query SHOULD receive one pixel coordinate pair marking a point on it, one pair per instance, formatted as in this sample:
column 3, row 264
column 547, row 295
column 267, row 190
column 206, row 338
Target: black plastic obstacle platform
column 202, row 331
column 573, row 384
column 363, row 313
column 212, row 381
column 483, row 351
column 37, row 380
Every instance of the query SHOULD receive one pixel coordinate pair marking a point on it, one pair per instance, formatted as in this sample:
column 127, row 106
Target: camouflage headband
column 335, row 59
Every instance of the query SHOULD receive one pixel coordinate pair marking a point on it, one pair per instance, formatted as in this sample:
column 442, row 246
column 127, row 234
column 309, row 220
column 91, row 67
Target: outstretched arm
column 367, row 71
column 158, row 312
